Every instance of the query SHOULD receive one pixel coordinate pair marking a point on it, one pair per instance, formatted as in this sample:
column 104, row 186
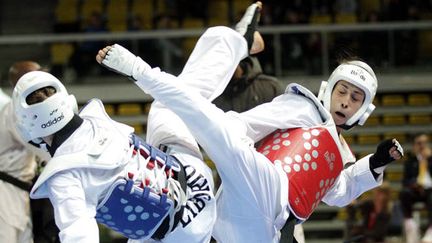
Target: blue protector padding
column 132, row 211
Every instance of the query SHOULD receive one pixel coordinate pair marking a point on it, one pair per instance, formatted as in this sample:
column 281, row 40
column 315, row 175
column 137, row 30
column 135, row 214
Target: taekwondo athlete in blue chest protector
column 100, row 171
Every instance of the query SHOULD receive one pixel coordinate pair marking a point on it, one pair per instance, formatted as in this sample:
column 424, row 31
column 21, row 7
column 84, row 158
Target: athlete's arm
column 73, row 216
column 351, row 183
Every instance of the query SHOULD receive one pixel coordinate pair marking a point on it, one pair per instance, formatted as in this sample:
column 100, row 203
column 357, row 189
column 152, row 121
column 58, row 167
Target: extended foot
column 247, row 27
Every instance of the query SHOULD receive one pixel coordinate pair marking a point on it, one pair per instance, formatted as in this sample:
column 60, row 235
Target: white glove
column 121, row 60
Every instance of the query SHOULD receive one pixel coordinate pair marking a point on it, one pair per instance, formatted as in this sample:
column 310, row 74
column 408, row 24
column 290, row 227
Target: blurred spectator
column 417, row 187
column 368, row 220
column 17, row 170
column 83, row 57
column 248, row 87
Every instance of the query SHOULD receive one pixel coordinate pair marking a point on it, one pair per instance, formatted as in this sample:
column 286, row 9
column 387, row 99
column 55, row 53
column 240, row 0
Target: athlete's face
column 346, row 100
column 40, row 95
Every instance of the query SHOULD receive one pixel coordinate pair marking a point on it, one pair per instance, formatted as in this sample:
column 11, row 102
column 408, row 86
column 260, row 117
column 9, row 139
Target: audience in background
column 417, row 187
column 301, row 52
column 368, row 220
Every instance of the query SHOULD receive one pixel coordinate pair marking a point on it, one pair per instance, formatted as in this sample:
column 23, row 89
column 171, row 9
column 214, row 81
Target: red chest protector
column 311, row 160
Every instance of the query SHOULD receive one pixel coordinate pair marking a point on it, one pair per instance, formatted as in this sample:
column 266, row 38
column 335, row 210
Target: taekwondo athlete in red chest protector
column 264, row 190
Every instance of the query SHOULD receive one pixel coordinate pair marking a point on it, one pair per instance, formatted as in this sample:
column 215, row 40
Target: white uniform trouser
column 250, row 202
column 207, row 71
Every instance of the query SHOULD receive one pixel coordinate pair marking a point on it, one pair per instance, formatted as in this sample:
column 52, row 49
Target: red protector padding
column 311, row 160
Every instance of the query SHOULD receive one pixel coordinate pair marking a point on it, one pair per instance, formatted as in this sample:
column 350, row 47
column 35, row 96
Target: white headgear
column 359, row 74
column 47, row 117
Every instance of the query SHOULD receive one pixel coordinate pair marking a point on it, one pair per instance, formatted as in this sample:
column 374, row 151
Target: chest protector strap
column 140, row 208
column 311, row 160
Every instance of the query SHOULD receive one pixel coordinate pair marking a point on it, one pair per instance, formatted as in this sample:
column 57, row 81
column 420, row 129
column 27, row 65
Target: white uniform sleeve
column 73, row 215
column 352, row 182
column 285, row 111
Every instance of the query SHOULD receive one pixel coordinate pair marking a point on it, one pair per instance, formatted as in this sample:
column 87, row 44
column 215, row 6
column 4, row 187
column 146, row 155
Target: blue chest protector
column 137, row 211
column 133, row 212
